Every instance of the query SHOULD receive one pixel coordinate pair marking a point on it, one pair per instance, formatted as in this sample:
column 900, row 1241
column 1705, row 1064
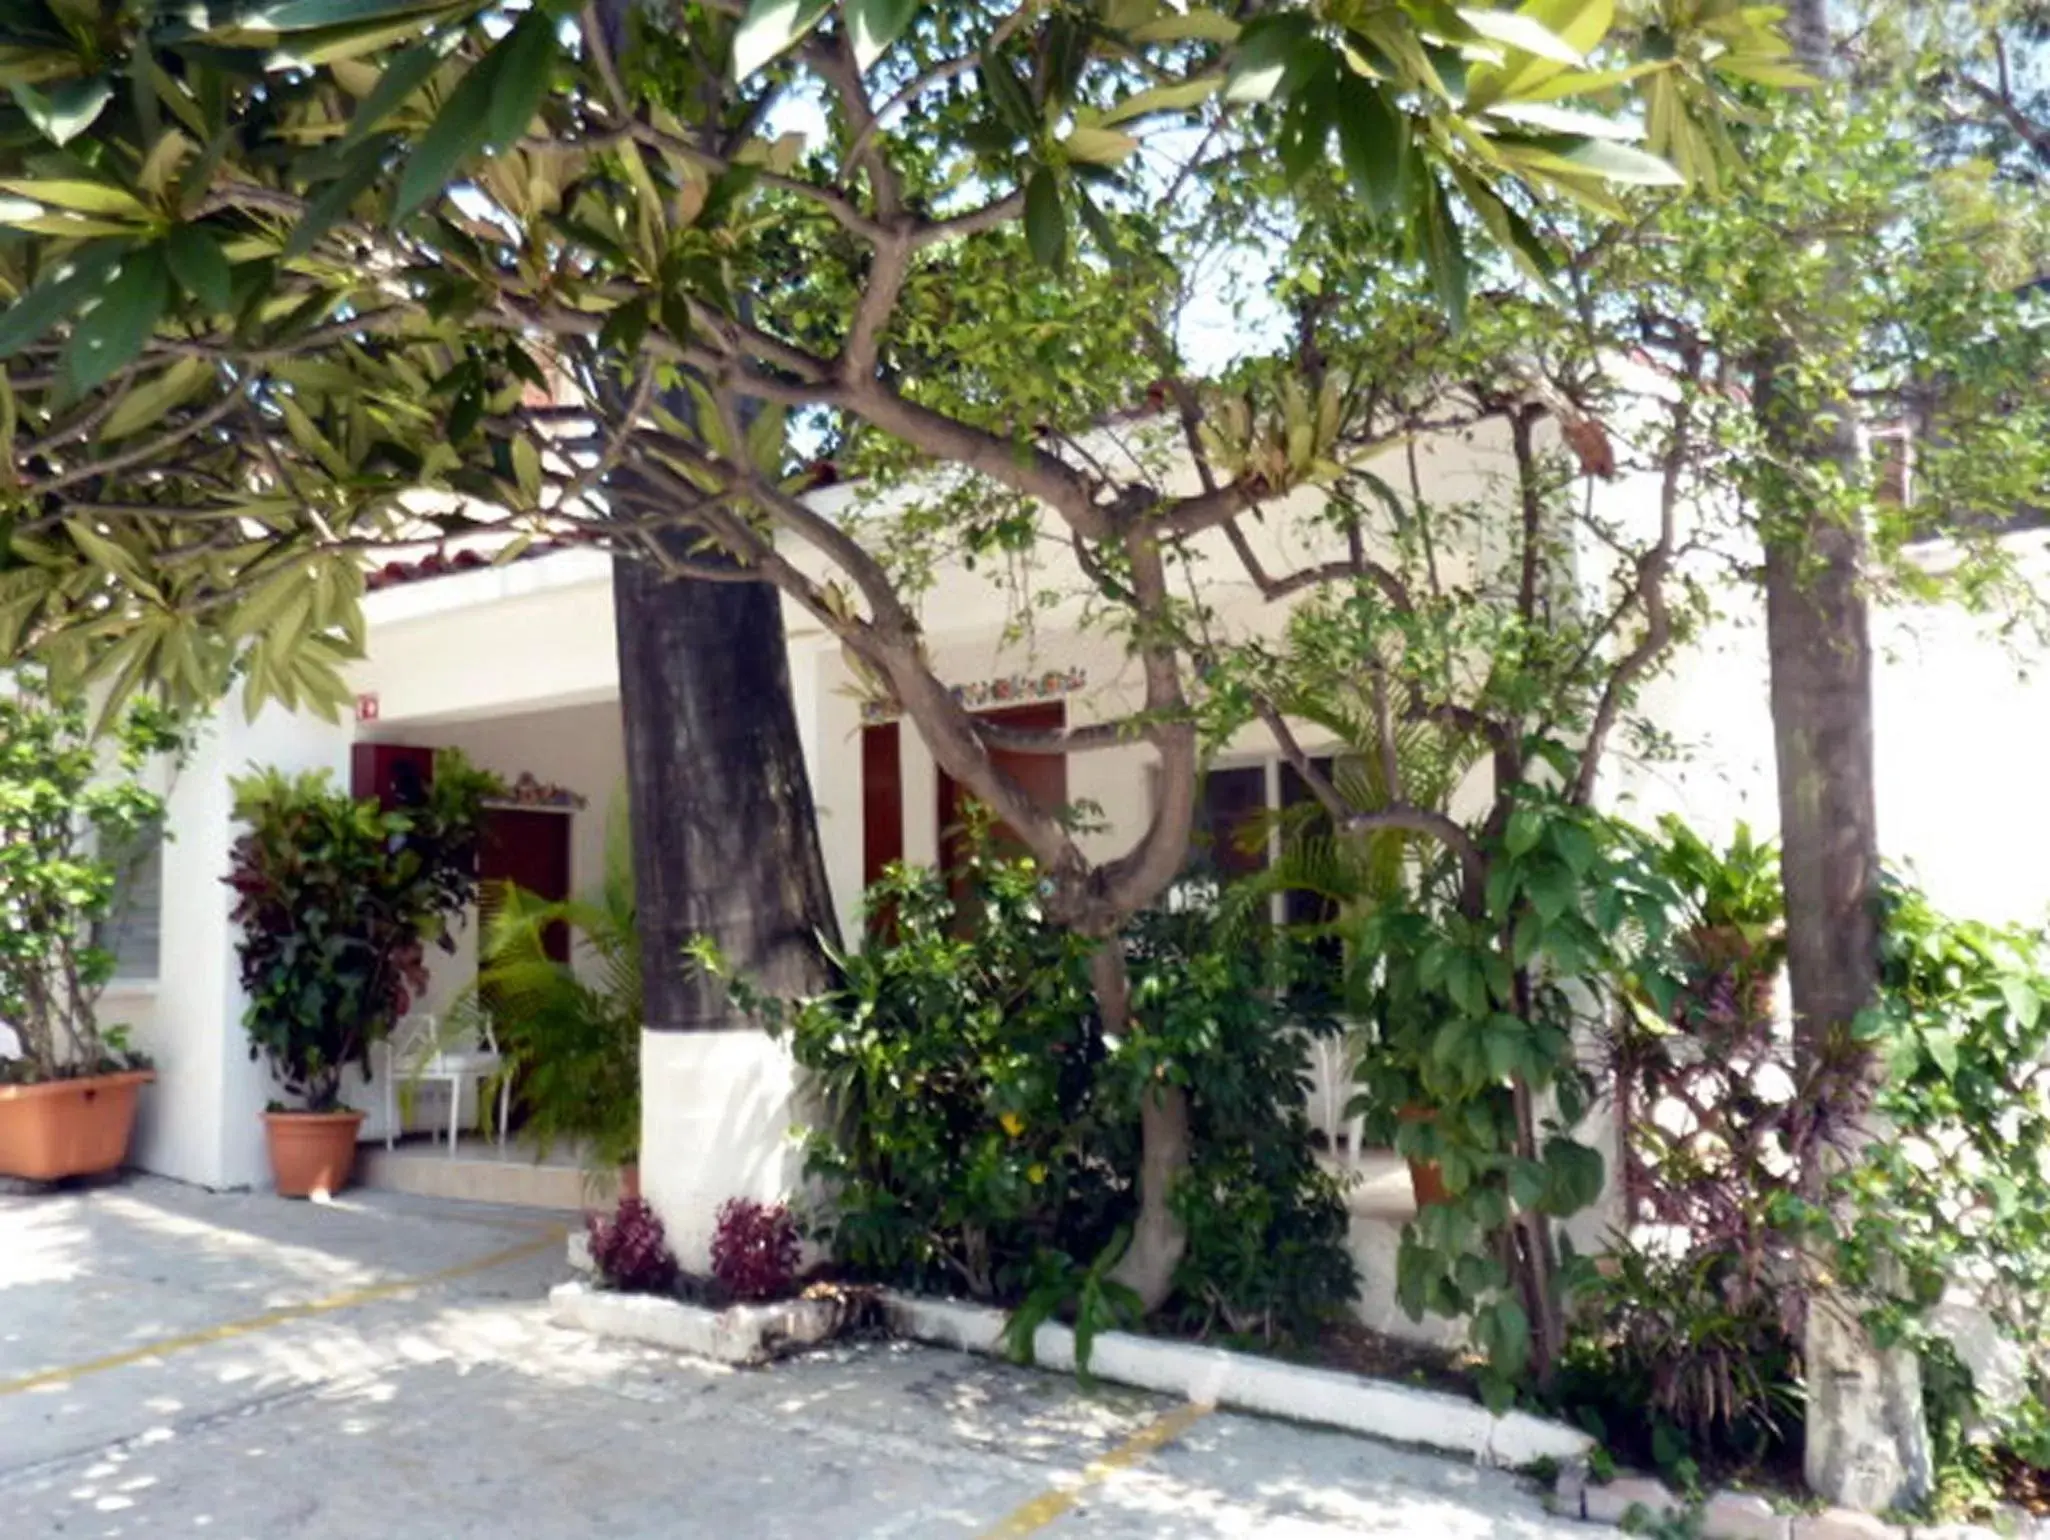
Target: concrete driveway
column 181, row 1363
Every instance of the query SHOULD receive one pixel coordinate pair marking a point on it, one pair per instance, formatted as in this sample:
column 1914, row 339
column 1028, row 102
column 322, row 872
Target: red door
column 531, row 848
column 1044, row 777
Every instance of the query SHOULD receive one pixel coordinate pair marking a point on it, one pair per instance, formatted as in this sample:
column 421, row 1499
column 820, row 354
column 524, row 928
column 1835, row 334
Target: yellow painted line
column 1048, row 1506
column 283, row 1315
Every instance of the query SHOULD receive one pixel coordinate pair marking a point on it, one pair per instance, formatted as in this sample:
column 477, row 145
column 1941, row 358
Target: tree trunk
column 725, row 840
column 1866, row 1443
column 1159, row 1238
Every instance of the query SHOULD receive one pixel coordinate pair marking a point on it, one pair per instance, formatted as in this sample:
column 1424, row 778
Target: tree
column 233, row 367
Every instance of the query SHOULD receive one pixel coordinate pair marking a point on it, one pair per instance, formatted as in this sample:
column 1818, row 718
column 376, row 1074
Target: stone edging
column 1746, row 1516
column 1212, row 1376
column 740, row 1334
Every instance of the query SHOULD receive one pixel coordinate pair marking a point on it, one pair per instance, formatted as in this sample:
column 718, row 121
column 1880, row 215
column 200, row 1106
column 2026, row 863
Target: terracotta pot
column 630, row 1180
column 1426, row 1179
column 311, row 1152
column 59, row 1128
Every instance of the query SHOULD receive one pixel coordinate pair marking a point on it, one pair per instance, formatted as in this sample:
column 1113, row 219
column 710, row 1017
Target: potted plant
column 338, row 899
column 71, row 817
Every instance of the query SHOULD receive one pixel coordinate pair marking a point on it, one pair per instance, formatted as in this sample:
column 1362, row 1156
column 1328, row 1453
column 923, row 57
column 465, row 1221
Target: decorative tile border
column 1009, row 690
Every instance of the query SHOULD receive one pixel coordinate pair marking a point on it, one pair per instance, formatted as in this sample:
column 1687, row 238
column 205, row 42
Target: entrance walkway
column 179, row 1363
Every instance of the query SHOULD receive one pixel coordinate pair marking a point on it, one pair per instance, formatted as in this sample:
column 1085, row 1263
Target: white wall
column 202, row 1121
column 1961, row 748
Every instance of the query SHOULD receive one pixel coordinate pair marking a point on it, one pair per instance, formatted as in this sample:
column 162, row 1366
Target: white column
column 719, row 1112
column 186, row 1028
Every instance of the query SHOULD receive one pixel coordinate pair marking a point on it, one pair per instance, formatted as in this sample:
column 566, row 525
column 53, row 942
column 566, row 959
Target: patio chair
column 422, row 1051
column 1333, row 1061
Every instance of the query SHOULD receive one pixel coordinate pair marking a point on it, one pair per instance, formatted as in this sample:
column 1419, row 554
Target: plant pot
column 59, row 1128
column 629, row 1180
column 311, row 1152
column 1426, row 1179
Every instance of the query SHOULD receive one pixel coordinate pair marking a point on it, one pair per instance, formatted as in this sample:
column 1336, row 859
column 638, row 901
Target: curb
column 1212, row 1376
column 741, row 1334
column 1747, row 1516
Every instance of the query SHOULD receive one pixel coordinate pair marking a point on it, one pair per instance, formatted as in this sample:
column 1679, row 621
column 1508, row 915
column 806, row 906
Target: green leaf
column 1526, row 825
column 81, row 197
column 113, row 330
column 1941, row 1045
column 1552, row 889
column 1371, row 141
column 873, row 25
column 1046, row 227
column 358, row 172
column 1013, row 104
column 1194, row 26
column 56, row 296
column 310, row 15
column 1266, row 52
column 1504, row 1332
column 527, row 56
column 200, row 268
column 1579, row 25
column 1502, row 1044
column 769, row 28
column 1176, row 96
column 1098, row 146
column 2023, row 1001
column 1444, row 253
column 490, row 106
column 1521, row 30
column 405, row 75
column 1611, row 162
column 1575, row 1173
column 65, row 111
column 148, row 403
column 1564, row 120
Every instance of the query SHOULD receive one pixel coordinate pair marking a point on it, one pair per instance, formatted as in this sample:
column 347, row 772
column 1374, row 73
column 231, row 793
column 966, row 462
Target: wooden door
column 530, row 847
column 1044, row 777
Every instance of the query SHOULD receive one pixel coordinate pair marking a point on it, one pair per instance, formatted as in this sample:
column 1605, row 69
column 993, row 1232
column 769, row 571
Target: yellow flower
column 1035, row 1173
column 1013, row 1124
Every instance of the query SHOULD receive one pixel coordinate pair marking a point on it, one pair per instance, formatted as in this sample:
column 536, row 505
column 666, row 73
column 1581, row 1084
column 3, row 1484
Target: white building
column 516, row 667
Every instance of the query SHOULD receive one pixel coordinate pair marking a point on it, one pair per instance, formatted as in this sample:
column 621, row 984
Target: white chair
column 1333, row 1063
column 423, row 1053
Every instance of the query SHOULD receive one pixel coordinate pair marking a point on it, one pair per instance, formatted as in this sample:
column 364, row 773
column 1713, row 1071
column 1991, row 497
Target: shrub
column 981, row 1129
column 66, row 826
column 1953, row 1205
column 337, row 900
column 754, row 1249
column 1267, row 1254
column 630, row 1250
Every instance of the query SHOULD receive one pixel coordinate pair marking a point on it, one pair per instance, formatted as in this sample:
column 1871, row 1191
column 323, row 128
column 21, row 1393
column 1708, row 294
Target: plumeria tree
column 293, row 281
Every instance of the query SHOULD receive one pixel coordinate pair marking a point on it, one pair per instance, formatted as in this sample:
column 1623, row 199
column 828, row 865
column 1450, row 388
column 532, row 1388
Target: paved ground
column 174, row 1362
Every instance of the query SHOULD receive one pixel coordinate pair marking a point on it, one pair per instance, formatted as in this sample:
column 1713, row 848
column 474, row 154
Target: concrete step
column 482, row 1173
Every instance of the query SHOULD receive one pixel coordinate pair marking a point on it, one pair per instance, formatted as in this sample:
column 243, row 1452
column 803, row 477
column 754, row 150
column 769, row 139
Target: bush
column 630, row 1250
column 337, row 900
column 66, row 826
column 1955, row 1202
column 1267, row 1252
column 982, row 1131
column 754, row 1249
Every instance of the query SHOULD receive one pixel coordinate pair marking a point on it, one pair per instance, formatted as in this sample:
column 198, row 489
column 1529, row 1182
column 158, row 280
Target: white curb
column 740, row 1334
column 1216, row 1377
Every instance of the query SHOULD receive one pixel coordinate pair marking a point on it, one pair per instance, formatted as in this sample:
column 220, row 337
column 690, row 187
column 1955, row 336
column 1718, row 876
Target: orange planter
column 1426, row 1177
column 60, row 1128
column 311, row 1152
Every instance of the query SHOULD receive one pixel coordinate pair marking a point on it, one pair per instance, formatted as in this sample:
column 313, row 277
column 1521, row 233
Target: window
column 131, row 930
column 1236, row 832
